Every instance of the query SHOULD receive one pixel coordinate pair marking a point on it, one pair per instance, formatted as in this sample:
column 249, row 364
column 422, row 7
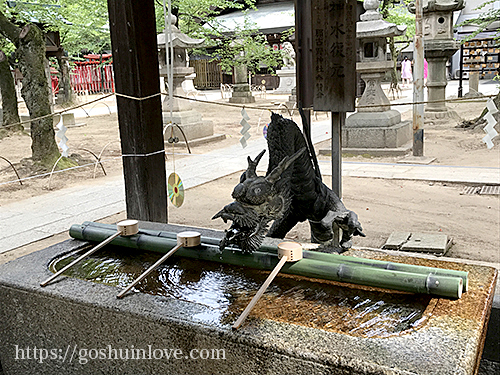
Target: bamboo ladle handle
column 184, row 239
column 124, row 228
column 289, row 252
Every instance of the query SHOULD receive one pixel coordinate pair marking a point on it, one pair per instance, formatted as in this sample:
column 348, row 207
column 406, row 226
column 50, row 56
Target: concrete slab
column 436, row 243
column 427, row 243
column 376, row 152
column 22, row 238
column 396, row 240
column 416, row 160
column 198, row 141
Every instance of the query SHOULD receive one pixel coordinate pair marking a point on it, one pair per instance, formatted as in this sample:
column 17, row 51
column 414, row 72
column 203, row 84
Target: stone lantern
column 439, row 46
column 376, row 126
column 183, row 115
column 241, row 89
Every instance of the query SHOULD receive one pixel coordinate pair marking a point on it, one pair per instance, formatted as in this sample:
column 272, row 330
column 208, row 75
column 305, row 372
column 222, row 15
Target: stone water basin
column 301, row 326
column 228, row 289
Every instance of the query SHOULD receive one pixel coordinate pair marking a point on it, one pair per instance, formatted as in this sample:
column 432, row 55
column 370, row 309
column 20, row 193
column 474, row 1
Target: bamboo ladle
column 287, row 252
column 184, row 239
column 124, row 228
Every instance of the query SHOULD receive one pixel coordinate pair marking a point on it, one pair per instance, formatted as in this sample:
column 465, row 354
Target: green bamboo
column 443, row 286
column 330, row 258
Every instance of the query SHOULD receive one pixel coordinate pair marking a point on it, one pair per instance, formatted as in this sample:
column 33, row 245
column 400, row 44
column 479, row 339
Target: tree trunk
column 65, row 95
column 31, row 55
column 394, row 57
column 9, row 97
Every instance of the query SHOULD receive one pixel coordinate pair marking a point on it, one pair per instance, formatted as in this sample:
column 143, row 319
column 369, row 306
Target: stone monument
column 439, row 46
column 241, row 89
column 183, row 114
column 376, row 126
column 287, row 73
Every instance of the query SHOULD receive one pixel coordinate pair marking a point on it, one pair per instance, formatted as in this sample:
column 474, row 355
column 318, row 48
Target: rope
column 144, row 155
column 137, row 98
column 60, row 171
column 58, row 113
column 461, row 100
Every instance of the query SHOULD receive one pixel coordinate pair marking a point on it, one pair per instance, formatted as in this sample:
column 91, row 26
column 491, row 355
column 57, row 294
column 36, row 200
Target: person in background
column 406, row 74
column 426, row 69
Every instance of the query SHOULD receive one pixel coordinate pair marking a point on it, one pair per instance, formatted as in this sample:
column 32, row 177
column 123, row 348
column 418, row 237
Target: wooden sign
column 334, row 55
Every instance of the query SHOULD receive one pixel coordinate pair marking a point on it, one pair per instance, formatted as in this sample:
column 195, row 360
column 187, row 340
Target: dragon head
column 257, row 201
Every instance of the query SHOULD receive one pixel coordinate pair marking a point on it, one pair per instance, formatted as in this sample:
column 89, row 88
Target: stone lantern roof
column 179, row 39
column 438, row 5
column 372, row 25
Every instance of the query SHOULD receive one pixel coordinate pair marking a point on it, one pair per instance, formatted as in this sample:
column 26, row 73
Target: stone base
column 473, row 94
column 242, row 99
column 373, row 119
column 85, row 317
column 371, row 152
column 287, row 81
column 381, row 137
column 191, row 123
column 241, row 94
column 433, row 116
column 197, row 141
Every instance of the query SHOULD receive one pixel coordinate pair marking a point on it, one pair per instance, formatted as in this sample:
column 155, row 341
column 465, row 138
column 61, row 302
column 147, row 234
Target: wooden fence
column 208, row 74
column 92, row 78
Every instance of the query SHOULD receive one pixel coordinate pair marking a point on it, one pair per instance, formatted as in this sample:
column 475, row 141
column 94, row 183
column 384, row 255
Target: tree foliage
column 82, row 24
column 243, row 46
column 246, row 46
column 483, row 20
column 87, row 26
column 397, row 12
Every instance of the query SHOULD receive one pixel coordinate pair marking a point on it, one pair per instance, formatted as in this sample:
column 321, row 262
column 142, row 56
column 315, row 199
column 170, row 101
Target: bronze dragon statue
column 292, row 191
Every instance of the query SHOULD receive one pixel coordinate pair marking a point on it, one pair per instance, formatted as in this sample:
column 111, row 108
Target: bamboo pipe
column 398, row 280
column 124, row 228
column 287, row 252
column 184, row 239
column 330, row 258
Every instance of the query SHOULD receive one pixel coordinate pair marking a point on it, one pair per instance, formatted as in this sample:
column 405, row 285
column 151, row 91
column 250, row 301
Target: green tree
column 8, row 90
column 84, row 26
column 30, row 54
column 247, row 46
column 483, row 20
column 396, row 12
column 243, row 46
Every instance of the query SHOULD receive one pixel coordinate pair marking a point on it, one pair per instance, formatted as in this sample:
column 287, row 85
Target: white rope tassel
column 491, row 133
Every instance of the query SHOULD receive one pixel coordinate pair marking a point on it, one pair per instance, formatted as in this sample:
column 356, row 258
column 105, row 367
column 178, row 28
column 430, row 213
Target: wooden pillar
column 338, row 121
column 136, row 72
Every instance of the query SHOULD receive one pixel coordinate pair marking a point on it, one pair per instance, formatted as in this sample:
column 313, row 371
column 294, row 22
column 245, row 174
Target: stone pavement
column 43, row 216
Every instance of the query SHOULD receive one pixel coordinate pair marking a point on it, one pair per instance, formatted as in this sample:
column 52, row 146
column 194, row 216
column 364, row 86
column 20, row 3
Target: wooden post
column 334, row 78
column 418, row 83
column 461, row 72
column 338, row 121
column 135, row 62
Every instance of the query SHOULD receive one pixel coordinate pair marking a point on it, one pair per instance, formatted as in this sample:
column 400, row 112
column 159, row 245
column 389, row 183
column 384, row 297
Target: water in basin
column 228, row 289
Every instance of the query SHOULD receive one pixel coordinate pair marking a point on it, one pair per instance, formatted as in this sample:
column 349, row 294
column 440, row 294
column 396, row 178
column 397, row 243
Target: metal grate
column 490, row 190
column 470, row 190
